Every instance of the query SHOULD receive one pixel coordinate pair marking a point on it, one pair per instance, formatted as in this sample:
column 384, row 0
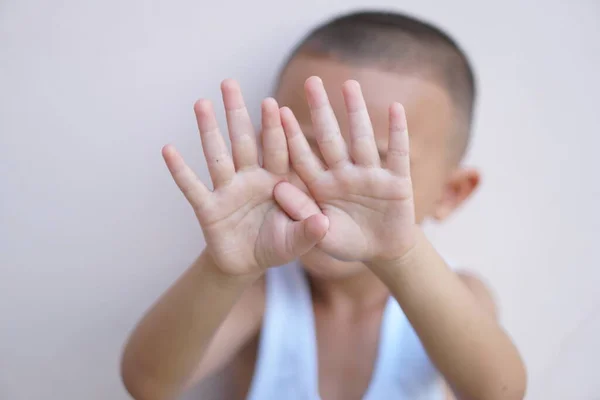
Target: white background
column 92, row 229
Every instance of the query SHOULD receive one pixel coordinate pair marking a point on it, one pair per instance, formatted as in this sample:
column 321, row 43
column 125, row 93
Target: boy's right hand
column 244, row 228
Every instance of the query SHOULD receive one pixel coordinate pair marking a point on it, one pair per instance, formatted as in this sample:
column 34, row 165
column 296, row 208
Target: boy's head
column 396, row 58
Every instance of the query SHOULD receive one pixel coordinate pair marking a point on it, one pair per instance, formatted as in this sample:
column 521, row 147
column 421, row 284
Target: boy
column 370, row 308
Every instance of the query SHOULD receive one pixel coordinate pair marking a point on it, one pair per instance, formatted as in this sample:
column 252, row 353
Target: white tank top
column 286, row 366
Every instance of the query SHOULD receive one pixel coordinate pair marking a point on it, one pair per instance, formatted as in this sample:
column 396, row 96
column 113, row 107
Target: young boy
column 370, row 310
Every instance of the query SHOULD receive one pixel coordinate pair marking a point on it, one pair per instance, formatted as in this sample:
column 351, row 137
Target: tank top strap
column 286, row 365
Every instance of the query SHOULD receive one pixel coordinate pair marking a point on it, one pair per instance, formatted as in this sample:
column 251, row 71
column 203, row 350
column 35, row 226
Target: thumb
column 296, row 204
column 302, row 236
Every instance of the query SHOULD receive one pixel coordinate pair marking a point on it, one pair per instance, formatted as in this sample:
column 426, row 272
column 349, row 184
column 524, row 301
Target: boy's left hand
column 370, row 207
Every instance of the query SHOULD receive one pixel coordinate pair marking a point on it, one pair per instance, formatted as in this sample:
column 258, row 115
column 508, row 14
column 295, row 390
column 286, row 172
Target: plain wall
column 92, row 229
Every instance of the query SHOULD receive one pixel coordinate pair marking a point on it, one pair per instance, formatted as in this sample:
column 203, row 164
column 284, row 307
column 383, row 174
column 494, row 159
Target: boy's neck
column 362, row 291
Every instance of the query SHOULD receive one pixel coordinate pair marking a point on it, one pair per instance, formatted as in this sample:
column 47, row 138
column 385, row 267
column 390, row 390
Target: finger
column 192, row 188
column 297, row 204
column 363, row 148
column 304, row 235
column 398, row 154
column 331, row 143
column 274, row 144
column 305, row 162
column 241, row 131
column 220, row 165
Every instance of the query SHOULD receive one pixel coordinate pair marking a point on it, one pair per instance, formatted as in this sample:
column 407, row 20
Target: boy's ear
column 461, row 184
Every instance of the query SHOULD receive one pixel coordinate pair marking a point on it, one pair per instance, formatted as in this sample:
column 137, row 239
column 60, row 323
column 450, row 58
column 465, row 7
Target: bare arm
column 473, row 353
column 484, row 299
column 175, row 343
column 241, row 325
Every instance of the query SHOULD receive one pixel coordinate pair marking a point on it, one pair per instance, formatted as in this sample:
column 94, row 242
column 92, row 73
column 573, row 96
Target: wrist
column 408, row 258
column 210, row 268
column 420, row 267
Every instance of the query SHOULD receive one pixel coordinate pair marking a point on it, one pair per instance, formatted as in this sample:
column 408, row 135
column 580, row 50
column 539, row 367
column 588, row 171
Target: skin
column 349, row 207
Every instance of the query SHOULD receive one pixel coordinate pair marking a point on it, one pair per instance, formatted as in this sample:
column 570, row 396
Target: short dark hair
column 398, row 42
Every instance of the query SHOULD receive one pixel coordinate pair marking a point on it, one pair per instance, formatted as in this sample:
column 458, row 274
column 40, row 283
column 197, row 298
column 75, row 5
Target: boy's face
column 430, row 122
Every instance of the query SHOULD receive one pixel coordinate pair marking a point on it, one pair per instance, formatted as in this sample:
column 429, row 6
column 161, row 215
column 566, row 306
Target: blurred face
column 430, row 124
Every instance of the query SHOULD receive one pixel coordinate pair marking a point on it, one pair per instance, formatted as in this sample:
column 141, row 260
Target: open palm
column 244, row 228
column 370, row 208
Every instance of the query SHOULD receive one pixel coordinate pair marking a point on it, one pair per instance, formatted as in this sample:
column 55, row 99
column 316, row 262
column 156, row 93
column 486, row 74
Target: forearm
column 170, row 341
column 469, row 348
